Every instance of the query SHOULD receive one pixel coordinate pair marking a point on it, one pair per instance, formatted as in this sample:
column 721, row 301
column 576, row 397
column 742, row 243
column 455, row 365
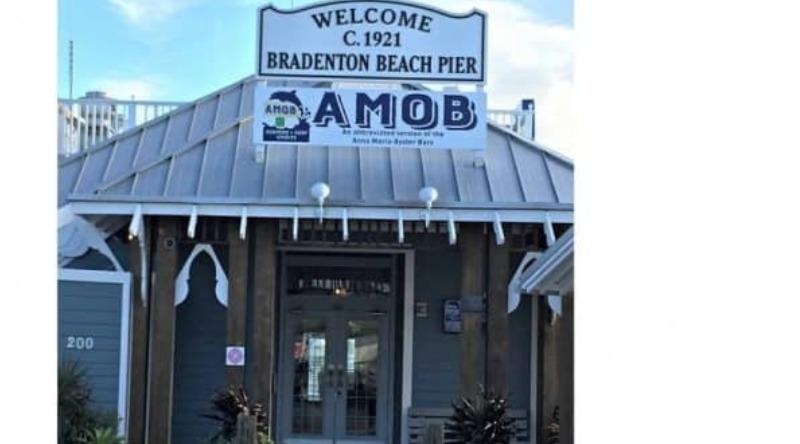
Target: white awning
column 551, row 273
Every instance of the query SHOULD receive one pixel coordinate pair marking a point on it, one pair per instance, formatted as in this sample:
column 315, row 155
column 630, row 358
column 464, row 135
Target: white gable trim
column 90, row 237
column 182, row 281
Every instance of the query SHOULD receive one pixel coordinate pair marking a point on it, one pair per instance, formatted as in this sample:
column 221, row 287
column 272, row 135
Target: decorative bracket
column 182, row 281
column 243, row 224
column 499, row 235
column 345, row 227
column 190, row 230
column 401, row 234
column 514, row 285
column 451, row 228
column 549, row 232
column 295, row 224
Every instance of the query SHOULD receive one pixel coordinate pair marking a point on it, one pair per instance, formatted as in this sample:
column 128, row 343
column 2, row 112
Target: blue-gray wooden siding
column 93, row 309
column 200, row 336
column 436, row 354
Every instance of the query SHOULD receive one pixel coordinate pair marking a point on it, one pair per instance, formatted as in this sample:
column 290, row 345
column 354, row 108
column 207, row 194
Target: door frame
column 405, row 378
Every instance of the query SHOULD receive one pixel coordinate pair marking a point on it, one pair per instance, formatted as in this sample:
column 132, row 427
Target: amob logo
column 285, row 118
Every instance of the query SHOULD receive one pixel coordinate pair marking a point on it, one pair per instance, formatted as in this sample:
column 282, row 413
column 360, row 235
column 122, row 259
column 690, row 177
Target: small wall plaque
column 234, row 356
column 421, row 309
column 452, row 316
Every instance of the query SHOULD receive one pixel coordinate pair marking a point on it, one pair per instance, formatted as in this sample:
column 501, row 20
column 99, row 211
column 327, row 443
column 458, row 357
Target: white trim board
column 533, row 415
column 114, row 277
column 408, row 346
column 441, row 214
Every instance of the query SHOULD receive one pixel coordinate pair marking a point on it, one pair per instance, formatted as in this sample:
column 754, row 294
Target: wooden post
column 550, row 386
column 237, row 298
column 162, row 333
column 497, row 342
column 262, row 349
column 566, row 371
column 472, row 239
column 138, row 358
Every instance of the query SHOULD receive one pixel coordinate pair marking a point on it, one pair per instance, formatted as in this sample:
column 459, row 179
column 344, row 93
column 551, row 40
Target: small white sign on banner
column 378, row 40
column 369, row 118
column 234, row 356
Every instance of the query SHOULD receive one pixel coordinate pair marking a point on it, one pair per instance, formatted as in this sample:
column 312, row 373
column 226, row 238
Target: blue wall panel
column 89, row 332
column 519, row 360
column 200, row 336
column 436, row 354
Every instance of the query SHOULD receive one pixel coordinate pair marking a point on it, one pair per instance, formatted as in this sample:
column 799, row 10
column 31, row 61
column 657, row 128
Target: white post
column 131, row 115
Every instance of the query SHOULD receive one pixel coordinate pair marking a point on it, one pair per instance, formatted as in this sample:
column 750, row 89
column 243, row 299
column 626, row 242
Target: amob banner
column 369, row 118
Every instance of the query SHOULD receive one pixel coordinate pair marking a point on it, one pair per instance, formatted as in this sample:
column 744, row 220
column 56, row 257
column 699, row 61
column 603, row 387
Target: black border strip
column 270, row 6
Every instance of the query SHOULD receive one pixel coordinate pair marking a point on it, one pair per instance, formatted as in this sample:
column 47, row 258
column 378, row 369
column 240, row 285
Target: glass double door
column 335, row 371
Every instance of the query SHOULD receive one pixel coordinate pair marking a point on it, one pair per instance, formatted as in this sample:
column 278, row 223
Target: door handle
column 341, row 383
column 331, row 371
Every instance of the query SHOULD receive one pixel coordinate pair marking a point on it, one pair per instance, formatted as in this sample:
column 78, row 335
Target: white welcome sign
column 369, row 118
column 372, row 40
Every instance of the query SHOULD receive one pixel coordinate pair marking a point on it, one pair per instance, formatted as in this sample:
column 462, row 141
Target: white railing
column 520, row 122
column 85, row 122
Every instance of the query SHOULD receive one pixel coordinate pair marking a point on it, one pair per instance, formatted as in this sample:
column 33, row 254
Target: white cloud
column 148, row 12
column 123, row 89
column 529, row 57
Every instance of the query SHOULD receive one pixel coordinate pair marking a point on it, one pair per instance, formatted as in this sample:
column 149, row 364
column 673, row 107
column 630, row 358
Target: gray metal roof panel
column 203, row 152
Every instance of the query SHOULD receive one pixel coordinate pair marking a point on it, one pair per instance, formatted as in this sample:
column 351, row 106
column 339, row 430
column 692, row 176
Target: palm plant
column 75, row 417
column 482, row 419
column 226, row 407
column 105, row 435
column 552, row 428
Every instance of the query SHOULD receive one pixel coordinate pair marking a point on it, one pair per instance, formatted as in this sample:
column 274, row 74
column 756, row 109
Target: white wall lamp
column 428, row 196
column 320, row 191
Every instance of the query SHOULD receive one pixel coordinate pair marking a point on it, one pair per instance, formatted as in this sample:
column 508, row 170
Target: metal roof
column 202, row 153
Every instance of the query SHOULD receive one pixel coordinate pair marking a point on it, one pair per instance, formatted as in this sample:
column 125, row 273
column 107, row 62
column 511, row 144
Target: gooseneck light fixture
column 320, row 191
column 428, row 196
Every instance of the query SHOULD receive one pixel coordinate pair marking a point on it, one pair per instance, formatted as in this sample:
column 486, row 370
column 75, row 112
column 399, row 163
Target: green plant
column 552, row 428
column 226, row 406
column 263, row 438
column 481, row 419
column 105, row 435
column 76, row 419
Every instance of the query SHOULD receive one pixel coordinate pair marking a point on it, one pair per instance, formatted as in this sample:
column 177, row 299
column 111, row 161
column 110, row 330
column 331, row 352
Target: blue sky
column 184, row 49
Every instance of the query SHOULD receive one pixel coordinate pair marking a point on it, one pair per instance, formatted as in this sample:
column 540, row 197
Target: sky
column 180, row 50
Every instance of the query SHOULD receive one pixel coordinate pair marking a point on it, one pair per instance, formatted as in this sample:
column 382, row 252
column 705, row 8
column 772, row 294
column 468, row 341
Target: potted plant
column 228, row 407
column 481, row 419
